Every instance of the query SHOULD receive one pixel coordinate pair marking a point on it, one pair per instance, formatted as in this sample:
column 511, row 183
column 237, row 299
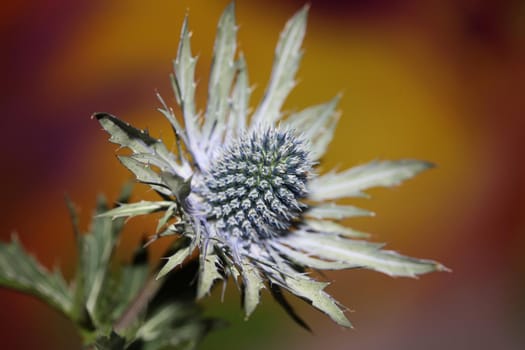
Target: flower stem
column 138, row 305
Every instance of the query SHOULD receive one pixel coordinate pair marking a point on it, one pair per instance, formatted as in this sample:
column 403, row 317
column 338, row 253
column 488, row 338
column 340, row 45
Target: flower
column 244, row 190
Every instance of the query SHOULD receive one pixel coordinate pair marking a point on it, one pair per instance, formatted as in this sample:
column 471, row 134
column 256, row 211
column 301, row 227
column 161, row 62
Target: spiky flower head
column 243, row 189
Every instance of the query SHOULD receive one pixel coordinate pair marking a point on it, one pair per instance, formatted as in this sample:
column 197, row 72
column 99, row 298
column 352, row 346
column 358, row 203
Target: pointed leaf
column 308, row 260
column 209, row 273
column 336, row 211
column 20, row 271
column 97, row 250
column 278, row 295
column 139, row 141
column 286, row 62
column 240, row 100
column 252, row 285
column 184, row 87
column 135, row 209
column 111, row 342
column 317, row 124
column 144, row 174
column 178, row 186
column 166, row 217
column 221, row 76
column 330, row 227
column 175, row 260
column 313, row 291
column 352, row 182
column 130, row 282
column 361, row 254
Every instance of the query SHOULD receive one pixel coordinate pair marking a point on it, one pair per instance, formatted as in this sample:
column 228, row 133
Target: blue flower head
column 243, row 188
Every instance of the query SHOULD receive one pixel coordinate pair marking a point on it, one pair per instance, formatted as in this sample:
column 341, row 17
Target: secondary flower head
column 243, row 189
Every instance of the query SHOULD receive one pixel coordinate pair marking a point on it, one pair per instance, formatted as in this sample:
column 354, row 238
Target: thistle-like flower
column 243, row 189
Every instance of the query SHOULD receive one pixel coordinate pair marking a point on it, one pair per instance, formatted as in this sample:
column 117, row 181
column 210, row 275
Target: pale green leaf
column 336, row 211
column 145, row 174
column 308, row 260
column 209, row 273
column 178, row 129
column 168, row 214
column 139, row 141
column 20, row 271
column 240, row 102
column 184, row 85
column 175, row 260
column 360, row 254
column 252, row 285
column 221, row 76
column 178, row 186
column 135, row 209
column 330, row 227
column 352, row 182
column 287, row 57
column 317, row 124
column 313, row 291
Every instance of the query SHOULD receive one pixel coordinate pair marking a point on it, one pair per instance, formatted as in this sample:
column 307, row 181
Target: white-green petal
column 352, row 182
column 287, row 57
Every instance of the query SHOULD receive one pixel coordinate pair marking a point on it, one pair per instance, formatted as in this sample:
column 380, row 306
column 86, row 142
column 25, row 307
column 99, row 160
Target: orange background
column 436, row 80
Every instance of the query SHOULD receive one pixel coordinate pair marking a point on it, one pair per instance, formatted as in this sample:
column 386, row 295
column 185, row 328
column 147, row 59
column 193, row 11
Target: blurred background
column 438, row 80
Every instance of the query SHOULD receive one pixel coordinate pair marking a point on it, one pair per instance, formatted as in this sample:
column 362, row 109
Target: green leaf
column 287, row 57
column 221, row 76
column 317, row 124
column 21, row 272
column 360, row 254
column 135, row 209
column 130, row 282
column 97, row 250
column 352, row 182
column 336, row 211
column 111, row 342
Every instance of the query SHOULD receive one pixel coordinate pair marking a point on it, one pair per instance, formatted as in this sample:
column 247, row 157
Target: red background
column 436, row 80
